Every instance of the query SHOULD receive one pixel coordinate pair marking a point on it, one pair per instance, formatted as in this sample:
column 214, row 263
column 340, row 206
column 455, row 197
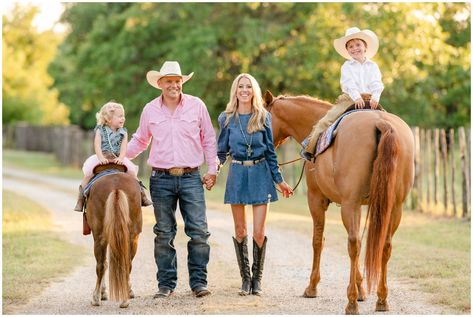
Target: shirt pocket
column 159, row 128
column 190, row 124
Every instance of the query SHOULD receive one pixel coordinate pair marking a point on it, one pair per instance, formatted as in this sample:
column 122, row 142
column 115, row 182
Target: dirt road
column 287, row 268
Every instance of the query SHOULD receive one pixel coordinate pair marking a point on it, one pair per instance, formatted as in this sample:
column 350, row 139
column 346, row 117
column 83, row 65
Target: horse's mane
column 305, row 99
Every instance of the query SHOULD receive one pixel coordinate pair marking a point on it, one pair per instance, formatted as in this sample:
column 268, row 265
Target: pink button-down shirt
column 179, row 139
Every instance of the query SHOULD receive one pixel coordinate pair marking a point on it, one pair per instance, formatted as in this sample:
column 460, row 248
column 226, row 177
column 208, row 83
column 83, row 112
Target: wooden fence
column 442, row 162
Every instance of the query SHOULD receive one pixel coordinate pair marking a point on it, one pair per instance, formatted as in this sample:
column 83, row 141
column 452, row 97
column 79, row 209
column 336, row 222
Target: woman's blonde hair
column 107, row 111
column 258, row 118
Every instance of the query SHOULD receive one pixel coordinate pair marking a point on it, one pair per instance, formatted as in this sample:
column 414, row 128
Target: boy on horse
column 360, row 80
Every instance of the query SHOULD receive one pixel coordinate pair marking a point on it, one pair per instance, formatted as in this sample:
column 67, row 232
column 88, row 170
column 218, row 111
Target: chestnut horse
column 114, row 216
column 371, row 162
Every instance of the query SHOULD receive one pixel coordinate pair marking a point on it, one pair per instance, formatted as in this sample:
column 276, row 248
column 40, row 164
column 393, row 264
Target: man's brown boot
column 80, row 201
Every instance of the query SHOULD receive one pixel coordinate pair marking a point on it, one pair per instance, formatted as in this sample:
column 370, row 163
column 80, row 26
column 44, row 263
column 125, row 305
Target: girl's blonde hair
column 107, row 111
column 258, row 118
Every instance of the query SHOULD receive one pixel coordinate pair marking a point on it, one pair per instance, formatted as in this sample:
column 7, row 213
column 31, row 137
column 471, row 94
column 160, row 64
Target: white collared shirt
column 358, row 78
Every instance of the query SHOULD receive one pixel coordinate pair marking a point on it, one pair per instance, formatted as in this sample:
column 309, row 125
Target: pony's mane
column 305, row 98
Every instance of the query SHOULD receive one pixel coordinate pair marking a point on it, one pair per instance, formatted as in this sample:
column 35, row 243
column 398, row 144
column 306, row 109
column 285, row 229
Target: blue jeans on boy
column 166, row 191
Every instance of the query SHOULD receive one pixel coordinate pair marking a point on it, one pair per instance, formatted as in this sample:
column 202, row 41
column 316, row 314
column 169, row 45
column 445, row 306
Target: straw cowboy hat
column 169, row 68
column 368, row 36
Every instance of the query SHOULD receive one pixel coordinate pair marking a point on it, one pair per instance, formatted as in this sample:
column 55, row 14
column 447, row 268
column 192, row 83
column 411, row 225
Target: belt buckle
column 176, row 171
column 248, row 163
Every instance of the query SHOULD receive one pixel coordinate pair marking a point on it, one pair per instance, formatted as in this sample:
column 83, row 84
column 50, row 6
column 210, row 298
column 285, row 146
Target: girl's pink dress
column 93, row 161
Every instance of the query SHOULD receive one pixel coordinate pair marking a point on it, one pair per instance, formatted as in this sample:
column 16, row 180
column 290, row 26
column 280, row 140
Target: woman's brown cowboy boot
column 80, row 201
column 144, row 200
column 241, row 249
column 257, row 268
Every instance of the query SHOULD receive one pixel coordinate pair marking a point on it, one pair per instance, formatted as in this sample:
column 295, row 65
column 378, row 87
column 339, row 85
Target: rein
column 302, row 172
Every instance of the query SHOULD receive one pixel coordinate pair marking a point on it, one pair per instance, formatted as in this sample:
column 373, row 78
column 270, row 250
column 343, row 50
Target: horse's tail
column 381, row 199
column 116, row 230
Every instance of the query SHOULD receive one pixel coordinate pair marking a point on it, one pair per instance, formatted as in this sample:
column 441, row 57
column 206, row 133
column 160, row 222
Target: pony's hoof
column 361, row 295
column 131, row 294
column 104, row 296
column 352, row 309
column 95, row 302
column 125, row 304
column 310, row 292
column 382, row 305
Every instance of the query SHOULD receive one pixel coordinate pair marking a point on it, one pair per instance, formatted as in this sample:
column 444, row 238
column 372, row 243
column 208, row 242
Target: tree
column 27, row 92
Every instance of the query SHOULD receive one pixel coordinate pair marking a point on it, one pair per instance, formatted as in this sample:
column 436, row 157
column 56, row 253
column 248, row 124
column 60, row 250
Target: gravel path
column 285, row 276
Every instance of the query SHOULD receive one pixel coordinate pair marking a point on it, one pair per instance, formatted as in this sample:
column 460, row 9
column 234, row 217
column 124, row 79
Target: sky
column 50, row 12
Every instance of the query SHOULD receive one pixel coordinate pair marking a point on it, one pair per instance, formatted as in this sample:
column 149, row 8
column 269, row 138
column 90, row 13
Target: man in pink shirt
column 181, row 134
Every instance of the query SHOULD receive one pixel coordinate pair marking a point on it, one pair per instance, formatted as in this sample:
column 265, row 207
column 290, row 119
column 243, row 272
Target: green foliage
column 424, row 53
column 27, row 95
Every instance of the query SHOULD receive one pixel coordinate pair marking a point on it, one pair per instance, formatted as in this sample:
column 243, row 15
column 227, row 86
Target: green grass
column 431, row 253
column 43, row 163
column 32, row 254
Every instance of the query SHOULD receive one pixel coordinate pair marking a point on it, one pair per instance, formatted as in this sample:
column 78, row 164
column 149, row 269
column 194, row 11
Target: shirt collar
column 160, row 100
column 354, row 62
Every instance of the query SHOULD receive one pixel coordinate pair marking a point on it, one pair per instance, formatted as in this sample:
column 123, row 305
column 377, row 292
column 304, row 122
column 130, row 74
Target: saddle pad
column 98, row 176
column 326, row 138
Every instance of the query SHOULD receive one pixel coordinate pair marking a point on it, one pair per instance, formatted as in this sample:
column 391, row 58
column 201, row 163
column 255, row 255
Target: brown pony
column 371, row 162
column 114, row 216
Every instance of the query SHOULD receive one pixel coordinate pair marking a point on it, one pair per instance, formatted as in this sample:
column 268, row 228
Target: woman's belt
column 176, row 171
column 250, row 162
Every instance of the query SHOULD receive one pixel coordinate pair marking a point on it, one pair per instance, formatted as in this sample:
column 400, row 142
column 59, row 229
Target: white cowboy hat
column 169, row 68
column 368, row 36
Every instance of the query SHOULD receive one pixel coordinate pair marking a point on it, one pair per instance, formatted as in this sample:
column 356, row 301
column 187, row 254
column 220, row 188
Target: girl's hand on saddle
column 359, row 103
column 118, row 161
column 285, row 189
column 373, row 104
column 103, row 160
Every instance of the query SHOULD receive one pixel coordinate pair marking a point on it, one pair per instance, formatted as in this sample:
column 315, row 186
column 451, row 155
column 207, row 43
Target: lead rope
column 300, row 177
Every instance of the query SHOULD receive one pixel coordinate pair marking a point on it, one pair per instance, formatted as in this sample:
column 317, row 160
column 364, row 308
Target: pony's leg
column 359, row 285
column 318, row 205
column 103, row 288
column 382, row 291
column 100, row 252
column 134, row 247
column 351, row 214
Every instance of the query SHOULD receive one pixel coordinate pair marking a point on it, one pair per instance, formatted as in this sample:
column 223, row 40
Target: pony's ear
column 268, row 97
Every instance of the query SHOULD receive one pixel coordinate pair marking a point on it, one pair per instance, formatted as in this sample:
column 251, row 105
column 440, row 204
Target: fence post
column 464, row 167
column 443, row 144
column 415, row 193
column 436, row 166
column 452, row 164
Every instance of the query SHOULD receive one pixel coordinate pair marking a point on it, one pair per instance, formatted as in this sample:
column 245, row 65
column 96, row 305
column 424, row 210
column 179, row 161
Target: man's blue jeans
column 166, row 192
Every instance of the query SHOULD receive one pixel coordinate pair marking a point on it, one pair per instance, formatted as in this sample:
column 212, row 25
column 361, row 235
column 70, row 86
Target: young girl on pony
column 110, row 143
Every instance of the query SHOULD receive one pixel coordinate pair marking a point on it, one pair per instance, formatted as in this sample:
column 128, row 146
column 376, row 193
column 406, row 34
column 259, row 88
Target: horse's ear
column 268, row 97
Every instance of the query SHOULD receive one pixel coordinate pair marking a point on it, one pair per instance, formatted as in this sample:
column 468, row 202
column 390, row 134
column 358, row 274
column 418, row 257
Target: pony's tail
column 381, row 199
column 117, row 233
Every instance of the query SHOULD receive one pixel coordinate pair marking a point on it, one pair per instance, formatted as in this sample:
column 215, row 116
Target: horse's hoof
column 104, row 296
column 95, row 302
column 310, row 292
column 125, row 304
column 352, row 309
column 131, row 294
column 382, row 305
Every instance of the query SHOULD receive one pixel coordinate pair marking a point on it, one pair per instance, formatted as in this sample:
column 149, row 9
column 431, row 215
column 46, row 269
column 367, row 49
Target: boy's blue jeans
column 187, row 190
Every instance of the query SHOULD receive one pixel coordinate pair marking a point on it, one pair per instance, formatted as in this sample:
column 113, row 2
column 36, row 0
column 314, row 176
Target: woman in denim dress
column 246, row 136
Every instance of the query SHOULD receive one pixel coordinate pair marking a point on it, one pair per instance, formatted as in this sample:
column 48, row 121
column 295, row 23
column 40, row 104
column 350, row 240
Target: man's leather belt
column 176, row 171
column 249, row 163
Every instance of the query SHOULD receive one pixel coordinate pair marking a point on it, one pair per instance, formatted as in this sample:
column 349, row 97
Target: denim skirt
column 250, row 185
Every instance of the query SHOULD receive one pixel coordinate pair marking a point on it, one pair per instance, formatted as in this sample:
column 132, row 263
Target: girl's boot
column 257, row 268
column 144, row 200
column 80, row 201
column 241, row 249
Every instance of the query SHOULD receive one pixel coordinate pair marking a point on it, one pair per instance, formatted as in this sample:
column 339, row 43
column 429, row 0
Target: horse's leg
column 133, row 248
column 359, row 285
column 103, row 288
column 351, row 213
column 382, row 291
column 318, row 205
column 100, row 252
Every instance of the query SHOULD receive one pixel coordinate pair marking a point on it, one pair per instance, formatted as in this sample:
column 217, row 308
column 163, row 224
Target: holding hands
column 285, row 189
column 209, row 181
